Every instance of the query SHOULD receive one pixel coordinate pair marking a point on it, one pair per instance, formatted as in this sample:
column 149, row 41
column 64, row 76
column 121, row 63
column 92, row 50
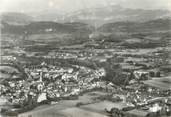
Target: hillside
column 46, row 27
column 13, row 18
column 97, row 16
column 153, row 25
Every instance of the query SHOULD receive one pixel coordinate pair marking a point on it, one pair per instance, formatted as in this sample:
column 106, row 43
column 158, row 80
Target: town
column 110, row 62
column 66, row 75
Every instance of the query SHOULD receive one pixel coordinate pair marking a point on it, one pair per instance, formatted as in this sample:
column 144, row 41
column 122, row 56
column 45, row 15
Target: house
column 42, row 97
column 141, row 75
column 154, row 73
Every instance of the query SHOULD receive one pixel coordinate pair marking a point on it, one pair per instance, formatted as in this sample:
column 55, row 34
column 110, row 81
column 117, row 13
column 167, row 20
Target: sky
column 73, row 5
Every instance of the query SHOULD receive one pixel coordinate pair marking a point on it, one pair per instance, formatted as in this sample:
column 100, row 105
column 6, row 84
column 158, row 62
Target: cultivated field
column 162, row 83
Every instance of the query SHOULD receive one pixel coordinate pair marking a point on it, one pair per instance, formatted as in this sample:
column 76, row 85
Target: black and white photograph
column 85, row 58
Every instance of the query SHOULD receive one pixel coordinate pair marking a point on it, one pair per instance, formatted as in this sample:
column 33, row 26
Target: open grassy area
column 67, row 108
column 77, row 112
column 162, row 83
column 101, row 106
column 8, row 69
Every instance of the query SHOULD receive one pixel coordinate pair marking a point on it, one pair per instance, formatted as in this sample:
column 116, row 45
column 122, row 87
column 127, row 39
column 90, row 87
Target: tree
column 113, row 72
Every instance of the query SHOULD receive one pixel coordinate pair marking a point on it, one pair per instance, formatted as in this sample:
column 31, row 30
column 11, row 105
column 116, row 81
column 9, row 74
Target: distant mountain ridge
column 114, row 13
column 122, row 26
column 15, row 18
column 46, row 27
column 153, row 25
column 103, row 19
column 92, row 16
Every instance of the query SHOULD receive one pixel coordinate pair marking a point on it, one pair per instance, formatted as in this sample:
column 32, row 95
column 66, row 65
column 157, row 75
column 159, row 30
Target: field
column 101, row 106
column 162, row 83
column 8, row 69
column 6, row 72
column 69, row 112
column 67, row 108
column 77, row 112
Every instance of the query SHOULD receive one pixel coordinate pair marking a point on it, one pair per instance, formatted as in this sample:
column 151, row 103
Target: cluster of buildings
column 46, row 82
column 141, row 100
column 50, row 83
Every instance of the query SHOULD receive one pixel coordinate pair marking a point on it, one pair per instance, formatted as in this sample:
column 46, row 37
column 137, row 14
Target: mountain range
column 148, row 26
column 115, row 13
column 110, row 19
column 14, row 18
column 92, row 16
